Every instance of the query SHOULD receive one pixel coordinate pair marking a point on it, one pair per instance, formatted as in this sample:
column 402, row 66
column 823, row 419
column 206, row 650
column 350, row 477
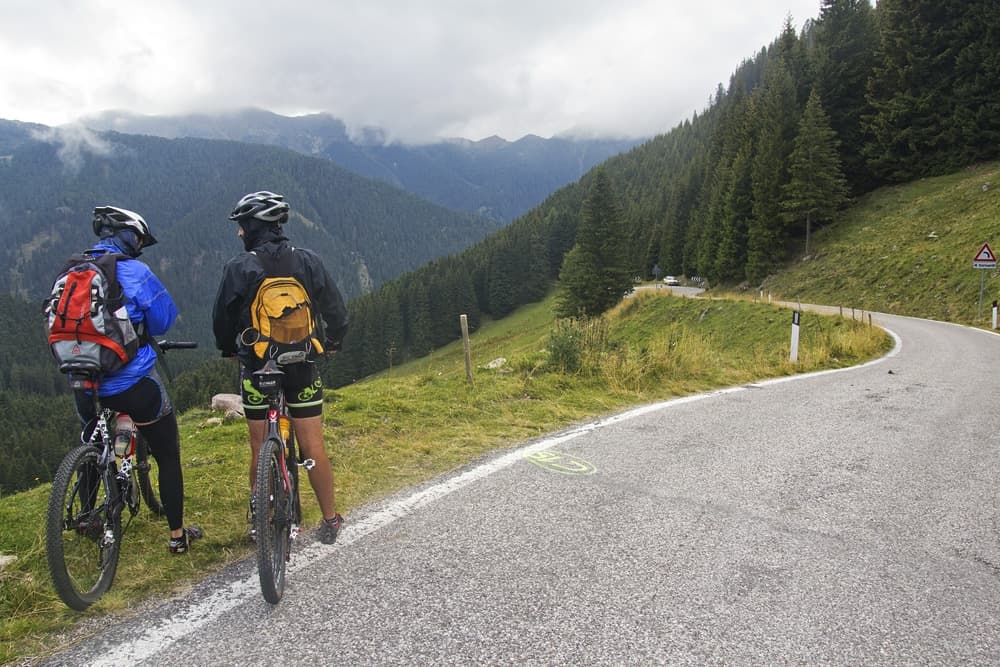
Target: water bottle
column 124, row 436
column 285, row 427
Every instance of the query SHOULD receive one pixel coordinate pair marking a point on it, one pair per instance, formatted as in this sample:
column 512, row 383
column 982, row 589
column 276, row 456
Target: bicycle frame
column 289, row 474
column 118, row 479
column 276, row 490
column 277, row 411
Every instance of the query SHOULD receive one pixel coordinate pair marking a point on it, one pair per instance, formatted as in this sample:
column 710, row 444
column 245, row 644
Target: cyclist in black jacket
column 259, row 216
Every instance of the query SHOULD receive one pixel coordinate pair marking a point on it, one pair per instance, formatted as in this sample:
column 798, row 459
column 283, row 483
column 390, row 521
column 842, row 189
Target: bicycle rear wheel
column 271, row 498
column 82, row 538
column 148, row 485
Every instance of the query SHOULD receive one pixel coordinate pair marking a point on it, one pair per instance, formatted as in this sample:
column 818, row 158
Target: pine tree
column 416, row 315
column 731, row 255
column 977, row 81
column 466, row 292
column 714, row 216
column 579, row 285
column 443, row 310
column 501, row 283
column 390, row 312
column 843, row 59
column 792, row 51
column 776, row 117
column 817, row 187
column 594, row 276
column 536, row 281
column 934, row 89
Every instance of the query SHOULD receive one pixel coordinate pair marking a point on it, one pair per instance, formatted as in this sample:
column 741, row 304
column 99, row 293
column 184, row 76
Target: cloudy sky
column 421, row 70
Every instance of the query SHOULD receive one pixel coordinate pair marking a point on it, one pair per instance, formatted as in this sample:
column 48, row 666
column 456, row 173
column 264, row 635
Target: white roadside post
column 794, row 356
column 994, row 315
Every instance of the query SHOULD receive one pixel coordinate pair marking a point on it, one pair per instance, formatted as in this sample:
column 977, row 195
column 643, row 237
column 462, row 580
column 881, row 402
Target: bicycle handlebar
column 177, row 344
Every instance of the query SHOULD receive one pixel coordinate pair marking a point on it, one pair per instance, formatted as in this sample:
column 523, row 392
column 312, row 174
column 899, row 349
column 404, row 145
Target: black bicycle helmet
column 264, row 206
column 121, row 218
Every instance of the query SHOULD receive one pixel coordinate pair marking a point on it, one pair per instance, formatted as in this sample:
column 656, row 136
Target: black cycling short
column 303, row 391
column 147, row 401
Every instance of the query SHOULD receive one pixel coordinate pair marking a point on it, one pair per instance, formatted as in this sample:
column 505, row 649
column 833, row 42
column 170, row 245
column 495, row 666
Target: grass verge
column 907, row 250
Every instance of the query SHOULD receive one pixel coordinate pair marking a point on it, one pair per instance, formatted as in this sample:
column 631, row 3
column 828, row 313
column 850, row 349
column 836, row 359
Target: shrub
column 566, row 346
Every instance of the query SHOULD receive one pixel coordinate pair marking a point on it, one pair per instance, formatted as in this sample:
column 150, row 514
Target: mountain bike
column 278, row 509
column 93, row 486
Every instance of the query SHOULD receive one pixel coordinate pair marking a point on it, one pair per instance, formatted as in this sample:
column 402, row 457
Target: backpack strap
column 108, row 263
column 277, row 266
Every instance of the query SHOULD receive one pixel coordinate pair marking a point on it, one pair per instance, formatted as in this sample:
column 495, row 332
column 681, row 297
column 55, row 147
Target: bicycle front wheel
column 271, row 499
column 148, row 485
column 82, row 537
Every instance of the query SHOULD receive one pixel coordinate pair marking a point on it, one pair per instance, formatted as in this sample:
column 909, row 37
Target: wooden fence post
column 465, row 344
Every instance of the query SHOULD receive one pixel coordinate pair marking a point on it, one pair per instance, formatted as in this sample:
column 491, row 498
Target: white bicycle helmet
column 263, row 205
column 122, row 218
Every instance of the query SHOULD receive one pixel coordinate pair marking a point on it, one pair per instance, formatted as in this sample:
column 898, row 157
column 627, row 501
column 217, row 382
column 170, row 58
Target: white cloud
column 421, row 71
column 73, row 142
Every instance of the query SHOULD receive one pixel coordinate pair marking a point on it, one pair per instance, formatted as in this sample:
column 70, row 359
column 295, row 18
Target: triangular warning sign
column 985, row 254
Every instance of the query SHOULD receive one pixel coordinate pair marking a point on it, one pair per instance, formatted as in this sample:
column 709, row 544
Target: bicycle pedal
column 308, row 464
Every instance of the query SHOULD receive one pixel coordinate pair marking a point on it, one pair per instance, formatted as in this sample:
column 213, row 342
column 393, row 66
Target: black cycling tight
column 164, row 446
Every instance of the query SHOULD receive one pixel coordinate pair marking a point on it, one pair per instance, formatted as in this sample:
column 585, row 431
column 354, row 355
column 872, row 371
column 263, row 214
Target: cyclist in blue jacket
column 137, row 389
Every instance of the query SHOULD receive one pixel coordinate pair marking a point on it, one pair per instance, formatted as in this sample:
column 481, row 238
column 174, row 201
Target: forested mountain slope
column 368, row 232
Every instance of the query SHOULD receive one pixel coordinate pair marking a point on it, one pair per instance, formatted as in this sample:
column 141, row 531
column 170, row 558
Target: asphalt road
column 843, row 518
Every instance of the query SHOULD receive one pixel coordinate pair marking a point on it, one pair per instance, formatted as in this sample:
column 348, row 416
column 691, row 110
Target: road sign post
column 984, row 259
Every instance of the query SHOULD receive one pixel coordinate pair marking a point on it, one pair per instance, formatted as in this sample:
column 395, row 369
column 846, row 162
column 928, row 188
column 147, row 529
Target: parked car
column 671, row 280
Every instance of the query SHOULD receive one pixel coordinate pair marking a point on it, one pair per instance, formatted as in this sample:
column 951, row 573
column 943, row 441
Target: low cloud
column 73, row 142
column 417, row 71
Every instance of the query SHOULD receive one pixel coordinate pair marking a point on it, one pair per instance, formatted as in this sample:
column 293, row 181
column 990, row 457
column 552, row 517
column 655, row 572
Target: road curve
column 847, row 517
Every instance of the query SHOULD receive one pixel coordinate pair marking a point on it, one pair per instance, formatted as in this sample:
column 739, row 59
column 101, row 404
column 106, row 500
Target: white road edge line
column 160, row 636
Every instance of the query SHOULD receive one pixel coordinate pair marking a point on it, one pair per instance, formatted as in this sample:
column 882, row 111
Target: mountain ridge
column 492, row 176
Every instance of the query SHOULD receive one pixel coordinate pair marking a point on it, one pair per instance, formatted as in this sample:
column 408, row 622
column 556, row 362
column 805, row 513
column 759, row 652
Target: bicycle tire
column 147, row 485
column 271, row 498
column 81, row 565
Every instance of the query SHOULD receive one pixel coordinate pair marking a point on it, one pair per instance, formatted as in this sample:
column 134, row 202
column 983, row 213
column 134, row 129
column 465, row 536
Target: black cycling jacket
column 244, row 273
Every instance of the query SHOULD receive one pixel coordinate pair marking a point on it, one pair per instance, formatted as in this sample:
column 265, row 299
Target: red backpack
column 87, row 323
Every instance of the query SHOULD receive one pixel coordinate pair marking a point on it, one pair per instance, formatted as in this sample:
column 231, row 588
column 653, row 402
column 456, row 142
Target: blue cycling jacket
column 148, row 303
